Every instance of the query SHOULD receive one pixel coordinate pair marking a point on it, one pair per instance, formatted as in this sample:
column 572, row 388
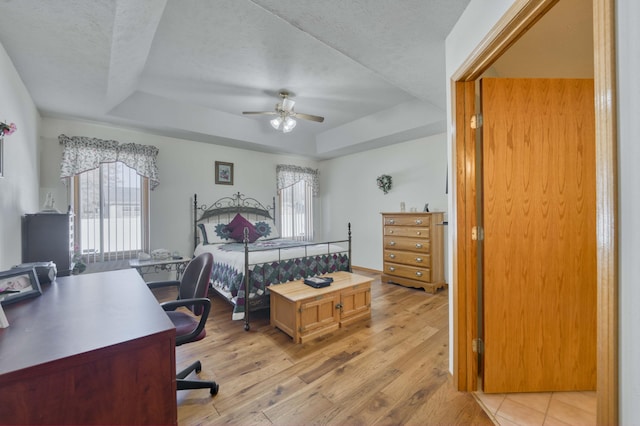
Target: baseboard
column 363, row 269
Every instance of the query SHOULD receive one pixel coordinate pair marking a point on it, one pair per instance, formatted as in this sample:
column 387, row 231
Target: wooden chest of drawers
column 414, row 250
column 304, row 312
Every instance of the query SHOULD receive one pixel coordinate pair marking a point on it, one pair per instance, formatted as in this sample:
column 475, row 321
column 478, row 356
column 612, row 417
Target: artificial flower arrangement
column 78, row 262
column 7, row 129
column 384, row 183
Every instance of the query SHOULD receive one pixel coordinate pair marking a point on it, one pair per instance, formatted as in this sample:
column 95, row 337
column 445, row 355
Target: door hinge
column 476, row 121
column 477, row 345
column 477, row 233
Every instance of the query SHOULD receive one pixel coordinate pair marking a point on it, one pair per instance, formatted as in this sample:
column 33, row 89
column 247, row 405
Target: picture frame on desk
column 18, row 284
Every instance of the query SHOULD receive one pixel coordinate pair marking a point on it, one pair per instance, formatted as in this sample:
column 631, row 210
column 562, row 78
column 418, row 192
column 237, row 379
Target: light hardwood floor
column 391, row 369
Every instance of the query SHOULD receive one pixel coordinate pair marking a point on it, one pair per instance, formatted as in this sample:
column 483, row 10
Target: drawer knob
column 393, row 256
column 418, row 221
column 418, row 259
column 419, row 274
column 391, row 231
column 391, row 221
column 391, row 268
column 418, row 245
column 338, row 305
column 392, row 243
column 418, row 233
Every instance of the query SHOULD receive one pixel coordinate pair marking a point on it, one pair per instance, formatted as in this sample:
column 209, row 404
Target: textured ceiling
column 373, row 68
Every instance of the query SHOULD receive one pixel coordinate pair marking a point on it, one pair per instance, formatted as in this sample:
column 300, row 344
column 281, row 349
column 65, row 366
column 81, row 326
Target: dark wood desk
column 93, row 349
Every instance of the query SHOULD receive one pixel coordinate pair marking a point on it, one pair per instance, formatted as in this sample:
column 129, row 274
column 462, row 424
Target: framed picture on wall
column 224, row 173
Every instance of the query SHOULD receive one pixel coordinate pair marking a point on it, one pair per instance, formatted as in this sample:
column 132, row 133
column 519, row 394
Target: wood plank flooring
column 391, row 369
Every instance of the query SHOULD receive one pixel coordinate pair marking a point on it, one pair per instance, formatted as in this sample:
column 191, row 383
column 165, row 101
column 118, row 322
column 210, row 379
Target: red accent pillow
column 237, row 226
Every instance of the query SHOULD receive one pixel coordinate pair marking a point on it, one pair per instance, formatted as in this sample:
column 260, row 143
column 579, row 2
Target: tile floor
column 548, row 408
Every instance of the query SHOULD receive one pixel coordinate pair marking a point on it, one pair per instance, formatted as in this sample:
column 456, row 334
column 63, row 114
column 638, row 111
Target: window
column 109, row 186
column 296, row 211
column 296, row 187
column 111, row 204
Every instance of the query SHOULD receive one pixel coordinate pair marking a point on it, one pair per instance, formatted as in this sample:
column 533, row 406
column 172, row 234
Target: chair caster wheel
column 198, row 367
column 214, row 390
column 246, row 327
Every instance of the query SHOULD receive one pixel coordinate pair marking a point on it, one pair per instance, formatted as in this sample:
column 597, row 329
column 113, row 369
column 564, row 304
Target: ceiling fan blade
column 259, row 112
column 309, row 117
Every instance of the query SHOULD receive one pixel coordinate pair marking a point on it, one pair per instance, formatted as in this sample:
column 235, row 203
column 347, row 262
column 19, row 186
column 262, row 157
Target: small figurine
column 49, row 204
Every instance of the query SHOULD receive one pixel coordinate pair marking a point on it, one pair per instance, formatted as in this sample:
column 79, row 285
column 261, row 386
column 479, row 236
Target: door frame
column 522, row 15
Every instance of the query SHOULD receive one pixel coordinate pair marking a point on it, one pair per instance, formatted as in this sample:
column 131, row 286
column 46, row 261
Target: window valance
column 82, row 153
column 287, row 175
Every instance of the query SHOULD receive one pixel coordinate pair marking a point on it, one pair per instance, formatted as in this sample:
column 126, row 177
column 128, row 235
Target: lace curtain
column 288, row 175
column 81, row 154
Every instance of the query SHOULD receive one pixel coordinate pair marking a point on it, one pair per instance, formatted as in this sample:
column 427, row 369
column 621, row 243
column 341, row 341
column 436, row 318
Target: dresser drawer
column 407, row 244
column 414, row 273
column 406, row 220
column 407, row 231
column 421, row 260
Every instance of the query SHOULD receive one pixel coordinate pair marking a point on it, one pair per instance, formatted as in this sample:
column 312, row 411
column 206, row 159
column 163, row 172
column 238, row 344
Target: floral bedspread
column 267, row 267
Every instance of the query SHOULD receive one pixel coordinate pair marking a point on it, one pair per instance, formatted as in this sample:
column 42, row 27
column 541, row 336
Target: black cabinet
column 48, row 237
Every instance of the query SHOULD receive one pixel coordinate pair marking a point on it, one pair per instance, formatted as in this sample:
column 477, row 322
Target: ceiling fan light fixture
column 276, row 122
column 285, row 115
column 289, row 124
column 287, row 104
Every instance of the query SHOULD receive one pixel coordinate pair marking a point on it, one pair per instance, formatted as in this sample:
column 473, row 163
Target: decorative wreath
column 384, row 183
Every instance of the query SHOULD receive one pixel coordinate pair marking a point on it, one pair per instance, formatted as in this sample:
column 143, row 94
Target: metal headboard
column 229, row 207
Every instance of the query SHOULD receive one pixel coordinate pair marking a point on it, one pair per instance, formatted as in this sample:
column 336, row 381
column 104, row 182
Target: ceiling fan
column 285, row 114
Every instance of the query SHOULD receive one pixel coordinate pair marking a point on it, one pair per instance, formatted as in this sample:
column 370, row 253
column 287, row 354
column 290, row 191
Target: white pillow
column 268, row 226
column 214, row 233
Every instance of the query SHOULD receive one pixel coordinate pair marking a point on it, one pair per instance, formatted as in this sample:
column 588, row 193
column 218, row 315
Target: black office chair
column 192, row 294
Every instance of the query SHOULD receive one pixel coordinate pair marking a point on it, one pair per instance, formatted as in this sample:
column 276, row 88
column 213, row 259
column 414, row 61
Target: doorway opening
column 505, row 33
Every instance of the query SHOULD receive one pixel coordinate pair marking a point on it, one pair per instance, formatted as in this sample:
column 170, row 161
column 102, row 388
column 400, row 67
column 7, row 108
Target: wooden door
column 539, row 266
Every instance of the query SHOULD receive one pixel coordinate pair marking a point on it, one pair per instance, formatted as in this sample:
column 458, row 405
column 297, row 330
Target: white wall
column 475, row 23
column 185, row 168
column 350, row 193
column 19, row 186
column 628, row 66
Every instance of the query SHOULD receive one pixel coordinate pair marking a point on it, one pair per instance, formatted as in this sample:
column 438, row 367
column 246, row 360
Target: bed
column 249, row 254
